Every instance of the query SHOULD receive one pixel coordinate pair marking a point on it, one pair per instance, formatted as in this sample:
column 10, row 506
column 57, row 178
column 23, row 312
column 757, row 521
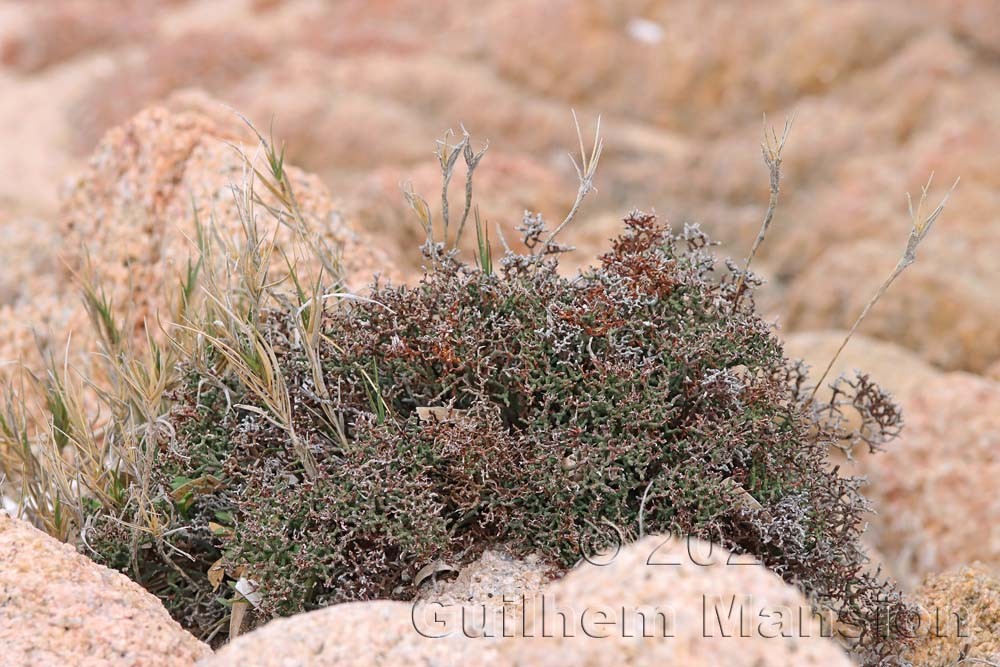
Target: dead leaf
column 202, row 485
column 431, row 569
column 239, row 610
column 219, row 529
column 248, row 589
column 216, row 573
column 745, row 498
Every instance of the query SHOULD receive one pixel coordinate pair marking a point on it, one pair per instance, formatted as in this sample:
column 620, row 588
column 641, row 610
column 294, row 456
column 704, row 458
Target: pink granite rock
column 59, row 608
column 667, row 601
column 934, row 490
column 358, row 634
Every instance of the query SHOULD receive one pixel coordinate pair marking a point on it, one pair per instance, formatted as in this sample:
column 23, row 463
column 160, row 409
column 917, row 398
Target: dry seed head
column 921, row 227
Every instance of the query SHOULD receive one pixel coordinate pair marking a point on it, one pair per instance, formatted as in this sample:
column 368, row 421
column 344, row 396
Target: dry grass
column 79, row 438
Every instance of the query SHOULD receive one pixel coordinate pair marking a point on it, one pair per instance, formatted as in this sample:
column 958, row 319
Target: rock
column 960, row 618
column 659, row 574
column 198, row 57
column 50, row 33
column 58, row 607
column 31, row 330
column 386, row 633
column 129, row 216
column 494, row 574
column 357, row 634
column 934, row 489
column 26, row 255
column 395, row 108
column 688, row 65
column 894, row 369
column 938, row 307
column 976, row 20
column 313, row 126
column 131, row 210
column 494, row 581
column 445, row 627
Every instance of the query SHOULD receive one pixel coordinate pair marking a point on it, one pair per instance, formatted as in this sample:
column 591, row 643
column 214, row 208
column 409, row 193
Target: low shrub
column 299, row 447
column 551, row 414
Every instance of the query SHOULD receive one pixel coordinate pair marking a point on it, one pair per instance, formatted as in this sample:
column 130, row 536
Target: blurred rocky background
column 884, row 94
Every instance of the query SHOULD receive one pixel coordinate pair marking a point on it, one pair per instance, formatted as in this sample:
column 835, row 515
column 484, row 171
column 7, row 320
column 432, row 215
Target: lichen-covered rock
column 356, row 634
column 494, row 582
column 960, row 618
column 935, row 488
column 59, row 608
column 697, row 593
column 130, row 217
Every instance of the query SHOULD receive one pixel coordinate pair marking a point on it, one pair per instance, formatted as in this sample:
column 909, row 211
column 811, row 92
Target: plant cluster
column 553, row 415
column 294, row 446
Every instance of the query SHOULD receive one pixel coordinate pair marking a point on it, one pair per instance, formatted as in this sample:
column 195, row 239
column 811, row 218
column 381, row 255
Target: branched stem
column 472, row 159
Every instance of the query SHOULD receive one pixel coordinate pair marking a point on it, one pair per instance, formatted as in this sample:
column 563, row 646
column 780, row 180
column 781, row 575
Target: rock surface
column 129, row 219
column 940, row 307
column 663, row 578
column 358, row 634
column 934, row 488
column 496, row 579
column 895, row 369
column 960, row 618
column 360, row 93
column 133, row 210
column 59, row 608
column 673, row 576
column 46, row 34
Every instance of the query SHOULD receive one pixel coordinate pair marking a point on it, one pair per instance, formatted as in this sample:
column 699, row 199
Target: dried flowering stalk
column 585, row 170
column 921, row 227
column 447, row 155
column 771, row 149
